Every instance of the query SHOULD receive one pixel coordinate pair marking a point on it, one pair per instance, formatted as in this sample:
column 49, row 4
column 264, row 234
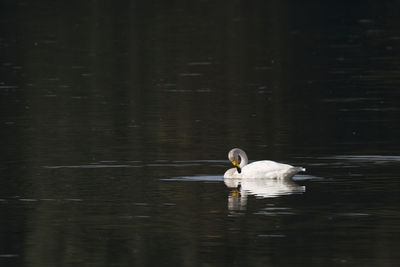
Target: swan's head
column 238, row 158
column 233, row 156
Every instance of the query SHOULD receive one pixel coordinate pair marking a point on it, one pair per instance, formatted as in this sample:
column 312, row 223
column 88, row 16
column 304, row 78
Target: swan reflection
column 260, row 188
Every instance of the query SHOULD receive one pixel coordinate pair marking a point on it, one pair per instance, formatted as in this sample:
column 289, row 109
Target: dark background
column 101, row 101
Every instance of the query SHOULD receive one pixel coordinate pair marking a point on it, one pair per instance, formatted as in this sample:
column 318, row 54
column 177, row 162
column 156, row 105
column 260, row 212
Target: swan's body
column 263, row 169
column 258, row 169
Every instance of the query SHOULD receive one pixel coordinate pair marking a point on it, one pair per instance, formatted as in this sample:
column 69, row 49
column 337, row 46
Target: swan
column 258, row 169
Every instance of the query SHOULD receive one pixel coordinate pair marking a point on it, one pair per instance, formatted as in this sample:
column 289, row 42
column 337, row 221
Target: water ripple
column 90, row 166
column 196, row 178
column 366, row 158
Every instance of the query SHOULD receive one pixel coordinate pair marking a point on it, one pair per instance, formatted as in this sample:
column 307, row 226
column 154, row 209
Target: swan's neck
column 243, row 159
column 239, row 170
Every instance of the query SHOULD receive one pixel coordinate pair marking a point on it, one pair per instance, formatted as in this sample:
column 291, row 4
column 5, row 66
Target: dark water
column 117, row 117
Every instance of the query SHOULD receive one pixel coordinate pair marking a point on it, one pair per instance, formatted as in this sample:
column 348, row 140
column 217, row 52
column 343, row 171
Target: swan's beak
column 235, row 163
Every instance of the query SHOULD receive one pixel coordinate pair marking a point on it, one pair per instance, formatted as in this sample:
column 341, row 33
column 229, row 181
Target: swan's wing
column 267, row 168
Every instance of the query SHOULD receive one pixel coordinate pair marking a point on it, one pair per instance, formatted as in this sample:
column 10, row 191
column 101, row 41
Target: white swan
column 258, row 169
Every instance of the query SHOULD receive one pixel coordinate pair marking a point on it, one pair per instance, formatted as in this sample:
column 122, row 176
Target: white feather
column 260, row 169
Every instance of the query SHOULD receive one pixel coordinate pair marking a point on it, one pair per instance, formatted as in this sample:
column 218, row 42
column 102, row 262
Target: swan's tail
column 298, row 169
column 292, row 172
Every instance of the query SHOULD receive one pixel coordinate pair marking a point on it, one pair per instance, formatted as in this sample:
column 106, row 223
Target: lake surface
column 116, row 120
